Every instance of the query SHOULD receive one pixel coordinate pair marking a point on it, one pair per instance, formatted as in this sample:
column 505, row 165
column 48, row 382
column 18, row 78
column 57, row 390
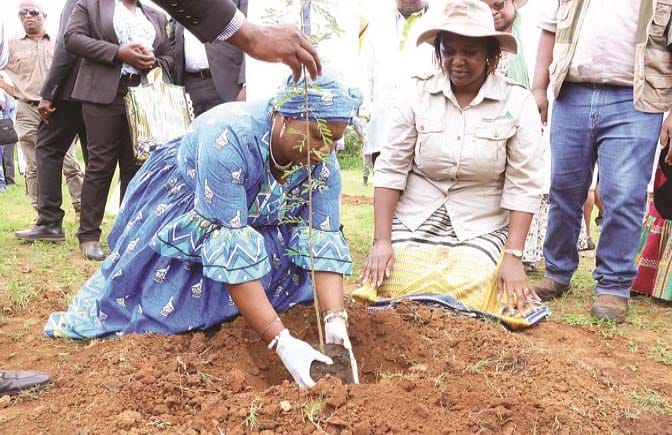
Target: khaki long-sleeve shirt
column 28, row 65
column 480, row 161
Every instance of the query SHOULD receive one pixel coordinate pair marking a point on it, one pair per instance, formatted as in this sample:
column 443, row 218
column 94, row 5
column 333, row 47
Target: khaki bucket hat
column 471, row 18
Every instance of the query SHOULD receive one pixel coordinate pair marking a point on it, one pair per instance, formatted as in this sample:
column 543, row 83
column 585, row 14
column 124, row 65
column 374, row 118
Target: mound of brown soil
column 421, row 371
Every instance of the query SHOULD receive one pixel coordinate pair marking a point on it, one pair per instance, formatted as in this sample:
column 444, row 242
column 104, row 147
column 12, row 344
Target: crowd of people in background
column 475, row 185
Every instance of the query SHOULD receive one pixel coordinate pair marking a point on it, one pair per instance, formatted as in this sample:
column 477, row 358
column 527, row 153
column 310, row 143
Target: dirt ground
column 421, row 371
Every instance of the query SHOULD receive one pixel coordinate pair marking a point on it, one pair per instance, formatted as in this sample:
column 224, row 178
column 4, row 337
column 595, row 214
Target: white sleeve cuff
column 234, row 25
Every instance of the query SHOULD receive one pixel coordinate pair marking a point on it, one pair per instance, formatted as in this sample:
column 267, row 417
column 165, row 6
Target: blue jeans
column 599, row 124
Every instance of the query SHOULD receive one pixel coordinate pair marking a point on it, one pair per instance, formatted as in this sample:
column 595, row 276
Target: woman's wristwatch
column 515, row 252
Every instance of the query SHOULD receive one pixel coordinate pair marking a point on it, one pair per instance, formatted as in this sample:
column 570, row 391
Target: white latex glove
column 336, row 332
column 297, row 356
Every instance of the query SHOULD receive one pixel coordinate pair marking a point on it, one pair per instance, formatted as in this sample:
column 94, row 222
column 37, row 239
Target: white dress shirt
column 195, row 57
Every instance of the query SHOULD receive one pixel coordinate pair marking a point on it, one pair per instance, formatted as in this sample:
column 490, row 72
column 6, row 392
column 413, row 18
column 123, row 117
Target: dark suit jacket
column 226, row 61
column 204, row 18
column 91, row 35
column 64, row 66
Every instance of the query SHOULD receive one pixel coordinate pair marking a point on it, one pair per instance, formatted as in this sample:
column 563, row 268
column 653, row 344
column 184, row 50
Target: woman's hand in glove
column 336, row 332
column 297, row 356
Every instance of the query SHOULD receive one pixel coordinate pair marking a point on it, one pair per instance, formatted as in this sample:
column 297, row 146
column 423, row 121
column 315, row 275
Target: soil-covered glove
column 297, row 356
column 336, row 332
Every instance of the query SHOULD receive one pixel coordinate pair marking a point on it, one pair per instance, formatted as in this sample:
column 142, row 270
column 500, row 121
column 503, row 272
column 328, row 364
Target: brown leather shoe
column 548, row 289
column 609, row 307
column 92, row 251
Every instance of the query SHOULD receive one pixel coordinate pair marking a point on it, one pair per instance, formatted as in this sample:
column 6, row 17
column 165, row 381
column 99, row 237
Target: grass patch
column 652, row 402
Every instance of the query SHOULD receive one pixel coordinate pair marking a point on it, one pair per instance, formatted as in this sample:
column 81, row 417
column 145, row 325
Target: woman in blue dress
column 216, row 224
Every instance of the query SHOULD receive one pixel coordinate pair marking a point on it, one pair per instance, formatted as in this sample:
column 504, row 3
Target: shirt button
column 459, row 138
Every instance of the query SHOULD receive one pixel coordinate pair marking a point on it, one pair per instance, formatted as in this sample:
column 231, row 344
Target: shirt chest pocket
column 490, row 140
column 660, row 21
column 431, row 150
column 431, row 136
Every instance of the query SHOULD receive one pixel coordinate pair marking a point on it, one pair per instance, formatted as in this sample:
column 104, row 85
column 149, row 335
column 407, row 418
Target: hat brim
column 507, row 41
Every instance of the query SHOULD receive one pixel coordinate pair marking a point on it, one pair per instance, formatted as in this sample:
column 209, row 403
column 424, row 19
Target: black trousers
column 8, row 164
column 109, row 143
column 53, row 142
column 202, row 92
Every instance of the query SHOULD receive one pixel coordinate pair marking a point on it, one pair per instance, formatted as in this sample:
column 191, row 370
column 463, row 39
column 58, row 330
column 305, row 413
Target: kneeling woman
column 217, row 225
column 459, row 180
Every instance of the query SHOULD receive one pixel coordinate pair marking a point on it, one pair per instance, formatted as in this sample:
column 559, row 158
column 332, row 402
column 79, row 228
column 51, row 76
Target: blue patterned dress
column 202, row 213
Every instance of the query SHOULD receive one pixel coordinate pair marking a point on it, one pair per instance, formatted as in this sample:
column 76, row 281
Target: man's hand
column 541, row 98
column 278, row 43
column 665, row 136
column 136, row 56
column 45, row 109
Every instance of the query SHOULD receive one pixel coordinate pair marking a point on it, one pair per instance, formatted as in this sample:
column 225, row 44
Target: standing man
column 212, row 73
column 62, row 122
column 28, row 65
column 12, row 381
column 387, row 53
column 611, row 74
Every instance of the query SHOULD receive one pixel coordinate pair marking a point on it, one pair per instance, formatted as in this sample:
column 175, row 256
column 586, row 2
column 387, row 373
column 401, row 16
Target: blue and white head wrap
column 328, row 100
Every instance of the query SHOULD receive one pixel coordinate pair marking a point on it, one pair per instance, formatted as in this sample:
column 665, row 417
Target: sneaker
column 609, row 307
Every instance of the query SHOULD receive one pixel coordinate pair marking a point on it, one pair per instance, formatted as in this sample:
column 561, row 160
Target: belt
column 31, row 102
column 203, row 74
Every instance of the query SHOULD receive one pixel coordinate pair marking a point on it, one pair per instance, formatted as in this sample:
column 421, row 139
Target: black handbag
column 8, row 134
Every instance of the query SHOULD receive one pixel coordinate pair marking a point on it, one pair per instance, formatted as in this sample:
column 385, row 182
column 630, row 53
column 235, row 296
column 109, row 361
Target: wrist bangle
column 277, row 319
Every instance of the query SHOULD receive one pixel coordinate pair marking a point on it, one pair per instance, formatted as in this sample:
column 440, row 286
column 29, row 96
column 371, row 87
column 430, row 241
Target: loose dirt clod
column 341, row 367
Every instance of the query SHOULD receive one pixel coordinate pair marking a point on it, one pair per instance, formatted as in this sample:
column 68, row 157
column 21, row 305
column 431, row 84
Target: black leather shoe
column 14, row 382
column 92, row 251
column 48, row 233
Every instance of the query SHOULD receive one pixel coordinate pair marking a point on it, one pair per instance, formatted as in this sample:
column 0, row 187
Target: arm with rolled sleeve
column 396, row 156
column 78, row 37
column 524, row 178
